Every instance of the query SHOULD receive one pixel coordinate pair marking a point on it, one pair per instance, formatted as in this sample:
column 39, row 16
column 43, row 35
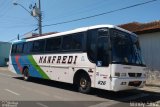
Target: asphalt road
column 16, row 92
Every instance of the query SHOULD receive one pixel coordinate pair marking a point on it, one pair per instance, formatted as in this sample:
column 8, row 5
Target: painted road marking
column 12, row 92
column 42, row 105
column 36, row 91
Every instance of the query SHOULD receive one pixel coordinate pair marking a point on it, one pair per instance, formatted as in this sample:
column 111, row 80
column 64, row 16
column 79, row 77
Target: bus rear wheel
column 84, row 84
column 26, row 74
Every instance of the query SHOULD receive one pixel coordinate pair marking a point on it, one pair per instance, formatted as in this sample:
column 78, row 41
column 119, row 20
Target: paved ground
column 14, row 91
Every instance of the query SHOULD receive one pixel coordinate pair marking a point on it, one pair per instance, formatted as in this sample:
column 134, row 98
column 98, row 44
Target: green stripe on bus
column 37, row 67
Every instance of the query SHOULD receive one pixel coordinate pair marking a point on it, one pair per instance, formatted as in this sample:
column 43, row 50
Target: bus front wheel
column 84, row 84
column 26, row 74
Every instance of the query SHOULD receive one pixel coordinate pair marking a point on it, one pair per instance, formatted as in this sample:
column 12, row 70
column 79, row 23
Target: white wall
column 150, row 45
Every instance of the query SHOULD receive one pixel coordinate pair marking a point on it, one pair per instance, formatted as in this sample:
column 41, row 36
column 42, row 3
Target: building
column 149, row 36
column 34, row 35
column 4, row 53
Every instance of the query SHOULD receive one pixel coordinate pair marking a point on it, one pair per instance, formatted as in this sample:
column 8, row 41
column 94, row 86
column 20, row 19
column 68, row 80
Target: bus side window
column 53, row 44
column 14, row 47
column 91, row 45
column 38, row 46
column 73, row 42
column 19, row 49
column 27, row 47
column 67, row 42
column 77, row 40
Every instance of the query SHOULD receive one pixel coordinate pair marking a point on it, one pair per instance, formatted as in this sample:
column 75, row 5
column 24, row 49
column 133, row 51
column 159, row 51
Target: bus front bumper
column 119, row 84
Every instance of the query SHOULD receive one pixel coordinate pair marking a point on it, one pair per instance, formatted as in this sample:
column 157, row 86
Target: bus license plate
column 136, row 82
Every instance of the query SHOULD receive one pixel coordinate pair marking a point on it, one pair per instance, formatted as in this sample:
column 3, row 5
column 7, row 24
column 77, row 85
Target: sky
column 15, row 20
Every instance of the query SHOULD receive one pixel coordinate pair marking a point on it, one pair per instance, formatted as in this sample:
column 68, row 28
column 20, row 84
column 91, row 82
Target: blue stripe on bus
column 24, row 61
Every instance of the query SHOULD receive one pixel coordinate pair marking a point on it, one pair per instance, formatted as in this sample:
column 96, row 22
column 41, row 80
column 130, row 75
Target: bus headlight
column 117, row 74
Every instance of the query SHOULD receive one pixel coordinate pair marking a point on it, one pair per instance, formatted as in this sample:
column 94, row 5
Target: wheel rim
column 25, row 74
column 83, row 83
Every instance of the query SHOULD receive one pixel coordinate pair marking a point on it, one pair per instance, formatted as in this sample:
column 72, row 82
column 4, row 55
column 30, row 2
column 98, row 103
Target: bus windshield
column 125, row 48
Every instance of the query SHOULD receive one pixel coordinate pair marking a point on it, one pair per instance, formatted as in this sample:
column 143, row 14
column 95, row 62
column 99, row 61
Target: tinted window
column 73, row 42
column 53, row 44
column 103, row 32
column 103, row 51
column 77, row 40
column 14, row 48
column 19, row 48
column 125, row 49
column 38, row 46
column 28, row 47
column 67, row 42
column 91, row 44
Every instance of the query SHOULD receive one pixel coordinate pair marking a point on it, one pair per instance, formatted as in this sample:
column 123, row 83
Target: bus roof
column 73, row 31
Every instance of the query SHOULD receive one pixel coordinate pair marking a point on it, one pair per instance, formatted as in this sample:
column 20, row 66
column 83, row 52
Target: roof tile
column 141, row 28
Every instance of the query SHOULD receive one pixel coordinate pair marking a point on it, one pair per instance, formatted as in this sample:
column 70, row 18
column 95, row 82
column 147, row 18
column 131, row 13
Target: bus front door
column 102, row 64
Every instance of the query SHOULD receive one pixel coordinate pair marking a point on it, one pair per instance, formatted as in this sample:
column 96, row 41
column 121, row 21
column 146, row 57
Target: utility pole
column 40, row 17
column 36, row 12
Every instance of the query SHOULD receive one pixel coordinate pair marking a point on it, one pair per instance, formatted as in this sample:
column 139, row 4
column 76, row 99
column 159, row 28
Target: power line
column 92, row 16
column 72, row 12
column 13, row 20
column 4, row 4
column 7, row 7
column 17, row 26
column 96, row 15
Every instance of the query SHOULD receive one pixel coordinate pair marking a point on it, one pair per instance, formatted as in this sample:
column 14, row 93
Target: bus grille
column 134, row 74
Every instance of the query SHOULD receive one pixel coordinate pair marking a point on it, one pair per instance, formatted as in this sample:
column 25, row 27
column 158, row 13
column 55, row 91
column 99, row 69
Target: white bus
column 102, row 56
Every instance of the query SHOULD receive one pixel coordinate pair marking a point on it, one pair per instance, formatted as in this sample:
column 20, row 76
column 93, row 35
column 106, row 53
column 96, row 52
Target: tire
column 26, row 74
column 84, row 84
